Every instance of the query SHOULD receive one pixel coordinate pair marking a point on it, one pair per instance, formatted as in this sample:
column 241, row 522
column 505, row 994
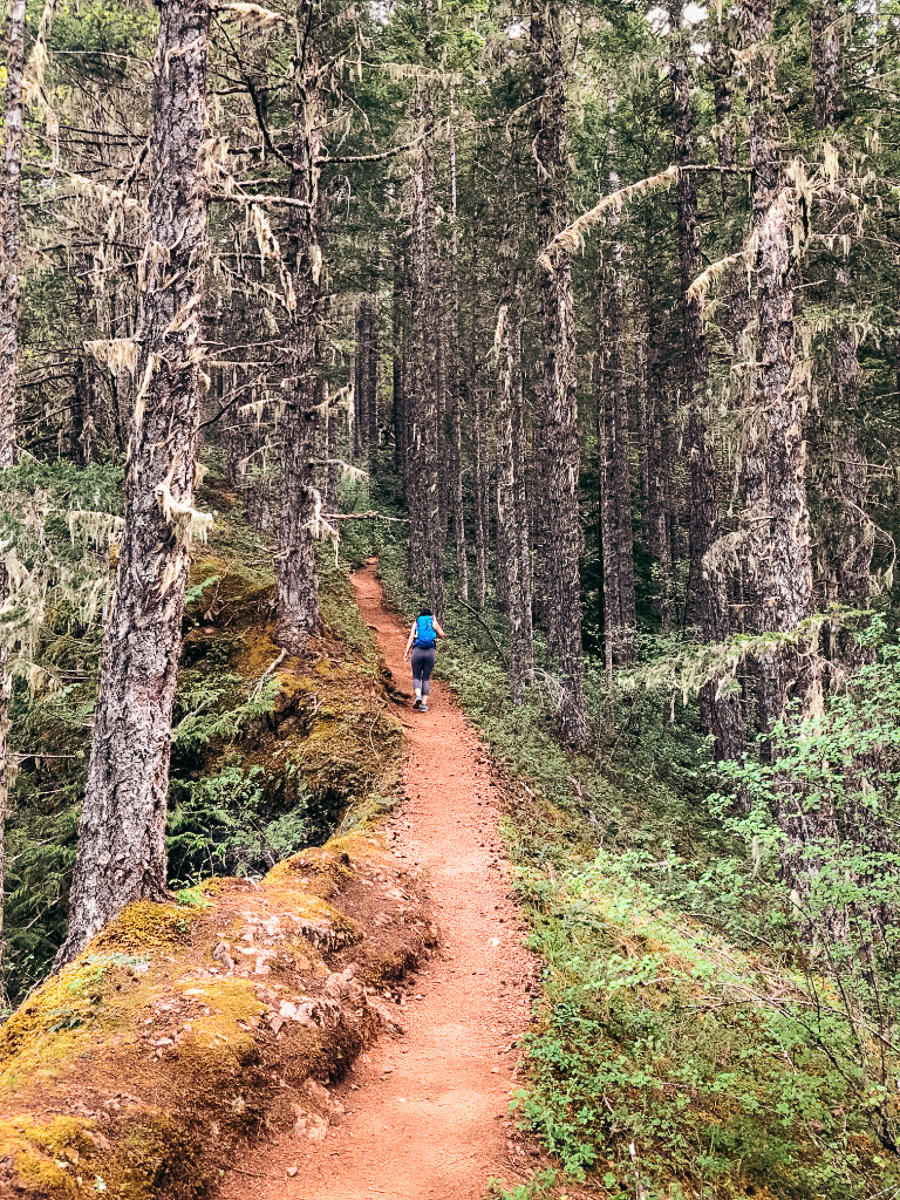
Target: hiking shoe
column 417, row 703
column 424, row 708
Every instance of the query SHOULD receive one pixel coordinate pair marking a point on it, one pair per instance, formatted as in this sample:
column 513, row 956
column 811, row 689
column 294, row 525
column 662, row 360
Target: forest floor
column 424, row 1114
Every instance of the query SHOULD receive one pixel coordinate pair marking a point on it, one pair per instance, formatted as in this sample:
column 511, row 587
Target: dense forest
column 583, row 317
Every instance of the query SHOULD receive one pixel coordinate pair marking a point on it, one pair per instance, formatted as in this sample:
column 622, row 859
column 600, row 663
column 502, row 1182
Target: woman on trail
column 422, row 642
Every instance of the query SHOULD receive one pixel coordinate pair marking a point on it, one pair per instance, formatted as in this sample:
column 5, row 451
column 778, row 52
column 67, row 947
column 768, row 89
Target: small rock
column 291, row 1172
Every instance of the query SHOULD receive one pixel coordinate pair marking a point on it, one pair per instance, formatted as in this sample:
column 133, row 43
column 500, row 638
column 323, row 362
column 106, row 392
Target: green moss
column 145, row 925
column 70, row 1157
column 61, row 1157
column 230, row 1001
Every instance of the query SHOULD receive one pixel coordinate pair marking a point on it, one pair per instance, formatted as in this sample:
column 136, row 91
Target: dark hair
column 426, row 612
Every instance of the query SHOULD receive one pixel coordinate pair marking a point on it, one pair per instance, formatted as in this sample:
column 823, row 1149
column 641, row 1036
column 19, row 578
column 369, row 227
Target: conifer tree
column 298, row 603
column 559, row 445
column 121, row 841
column 10, row 222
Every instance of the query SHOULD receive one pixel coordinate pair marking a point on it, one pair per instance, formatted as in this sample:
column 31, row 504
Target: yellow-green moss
column 234, row 589
column 359, row 846
column 229, row 1001
column 69, row 1158
column 319, row 860
column 344, row 753
column 145, row 925
column 59, row 1156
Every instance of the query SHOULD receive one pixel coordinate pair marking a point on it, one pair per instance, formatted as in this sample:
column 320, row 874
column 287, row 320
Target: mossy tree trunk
column 121, row 843
column 845, row 533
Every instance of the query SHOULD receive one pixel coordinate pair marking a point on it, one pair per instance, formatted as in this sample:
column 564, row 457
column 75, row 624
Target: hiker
column 422, row 643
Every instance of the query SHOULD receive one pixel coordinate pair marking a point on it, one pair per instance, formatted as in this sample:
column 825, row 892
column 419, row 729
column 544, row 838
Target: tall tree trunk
column 372, row 382
column 359, row 388
column 559, row 375
column 721, row 715
column 825, row 53
column 722, row 64
column 330, row 420
column 480, row 476
column 121, row 845
column 777, row 526
column 778, row 534
column 84, row 406
column 619, row 605
column 513, row 552
column 298, row 593
column 456, row 376
column 660, row 460
column 846, row 535
column 399, row 347
column 11, row 218
column 427, row 530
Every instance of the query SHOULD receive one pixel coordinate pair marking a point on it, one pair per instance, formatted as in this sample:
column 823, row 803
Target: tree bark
column 298, row 592
column 560, row 443
column 722, row 65
column 619, row 604
column 778, row 532
column 845, row 532
column 121, row 846
column 399, row 349
column 427, row 529
column 825, row 55
column 456, row 377
column 720, row 715
column 480, row 475
column 512, row 548
column 11, row 218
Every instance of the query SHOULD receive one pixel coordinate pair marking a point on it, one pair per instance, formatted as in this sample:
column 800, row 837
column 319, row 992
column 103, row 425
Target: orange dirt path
column 426, row 1112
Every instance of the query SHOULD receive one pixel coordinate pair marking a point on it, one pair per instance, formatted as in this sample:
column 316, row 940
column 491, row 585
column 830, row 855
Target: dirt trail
column 426, row 1112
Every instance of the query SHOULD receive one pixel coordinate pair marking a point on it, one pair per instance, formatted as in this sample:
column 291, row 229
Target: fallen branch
column 262, row 201
column 487, row 628
column 258, row 687
column 371, row 515
column 326, row 160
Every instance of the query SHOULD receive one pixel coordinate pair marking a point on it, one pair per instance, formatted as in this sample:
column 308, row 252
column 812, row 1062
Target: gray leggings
column 422, row 666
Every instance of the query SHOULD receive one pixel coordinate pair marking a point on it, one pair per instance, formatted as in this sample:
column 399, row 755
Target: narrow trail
column 425, row 1113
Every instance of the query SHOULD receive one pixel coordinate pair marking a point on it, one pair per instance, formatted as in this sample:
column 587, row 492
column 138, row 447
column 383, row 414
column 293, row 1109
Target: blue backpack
column 426, row 638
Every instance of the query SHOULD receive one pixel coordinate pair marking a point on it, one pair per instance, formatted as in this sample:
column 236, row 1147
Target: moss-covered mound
column 184, row 1029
